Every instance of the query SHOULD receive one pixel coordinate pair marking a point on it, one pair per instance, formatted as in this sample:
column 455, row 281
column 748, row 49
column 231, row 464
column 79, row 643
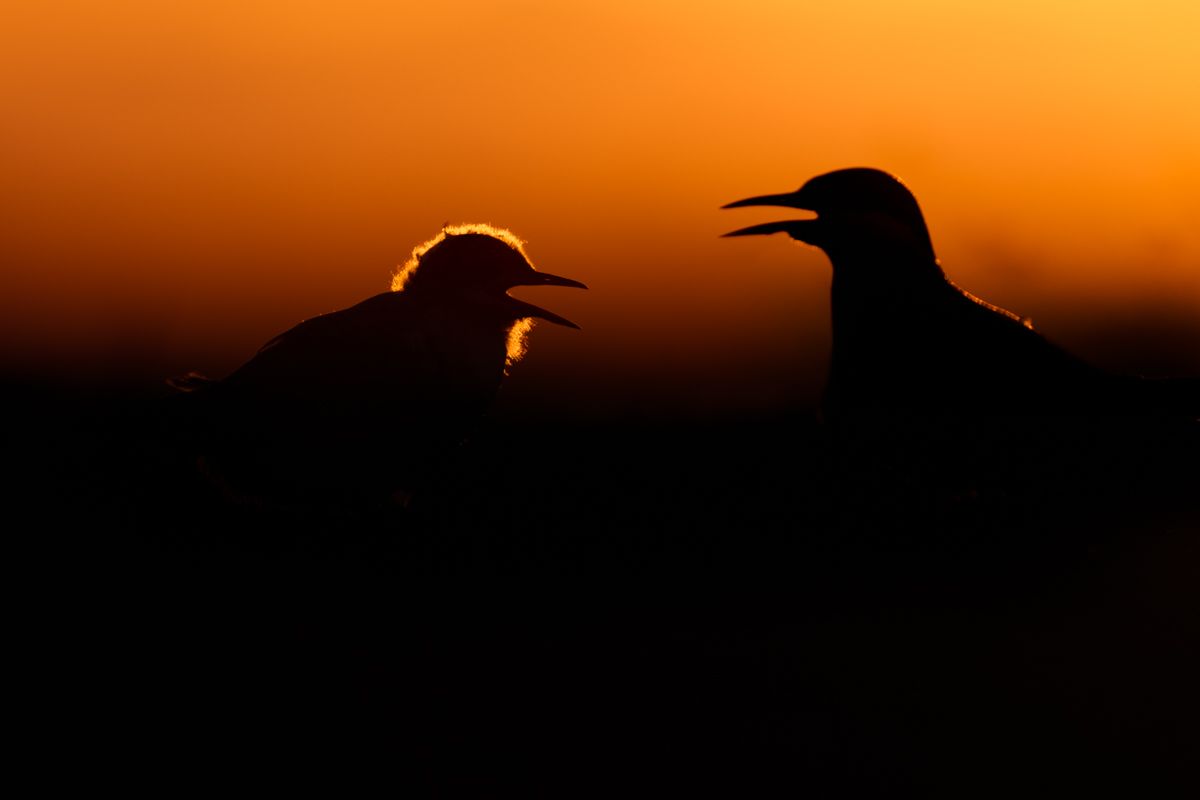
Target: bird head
column 861, row 213
column 474, row 267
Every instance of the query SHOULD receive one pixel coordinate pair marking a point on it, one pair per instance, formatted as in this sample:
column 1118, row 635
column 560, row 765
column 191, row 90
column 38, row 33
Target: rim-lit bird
column 360, row 404
column 907, row 339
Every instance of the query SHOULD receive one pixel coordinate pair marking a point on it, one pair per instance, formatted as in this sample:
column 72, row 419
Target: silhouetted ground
column 619, row 607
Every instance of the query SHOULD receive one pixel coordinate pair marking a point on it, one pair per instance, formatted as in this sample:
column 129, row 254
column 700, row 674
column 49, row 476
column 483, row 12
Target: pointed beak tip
column 555, row 319
column 546, row 279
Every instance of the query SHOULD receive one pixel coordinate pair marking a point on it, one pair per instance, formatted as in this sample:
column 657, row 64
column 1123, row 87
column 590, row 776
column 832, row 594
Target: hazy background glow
column 182, row 181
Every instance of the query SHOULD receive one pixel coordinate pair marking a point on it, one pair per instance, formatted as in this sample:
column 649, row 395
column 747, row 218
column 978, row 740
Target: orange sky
column 184, row 180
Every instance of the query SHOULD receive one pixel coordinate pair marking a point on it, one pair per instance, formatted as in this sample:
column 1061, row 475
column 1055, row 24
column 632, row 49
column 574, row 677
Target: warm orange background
column 183, row 180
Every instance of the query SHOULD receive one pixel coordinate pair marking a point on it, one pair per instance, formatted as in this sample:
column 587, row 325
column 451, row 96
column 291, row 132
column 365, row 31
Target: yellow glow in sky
column 201, row 175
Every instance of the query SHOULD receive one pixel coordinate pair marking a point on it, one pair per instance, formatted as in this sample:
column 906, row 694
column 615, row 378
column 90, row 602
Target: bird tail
column 190, row 382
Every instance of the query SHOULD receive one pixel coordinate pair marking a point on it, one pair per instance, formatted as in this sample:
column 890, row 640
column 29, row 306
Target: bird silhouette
column 953, row 429
column 359, row 404
column 907, row 339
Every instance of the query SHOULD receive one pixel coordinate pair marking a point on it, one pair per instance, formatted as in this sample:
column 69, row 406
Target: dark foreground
column 731, row 607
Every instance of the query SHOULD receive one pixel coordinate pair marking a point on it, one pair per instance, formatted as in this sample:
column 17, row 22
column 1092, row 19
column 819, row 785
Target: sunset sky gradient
column 182, row 181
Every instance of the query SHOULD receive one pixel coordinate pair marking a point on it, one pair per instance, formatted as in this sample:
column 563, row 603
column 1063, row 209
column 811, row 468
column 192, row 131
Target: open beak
column 800, row 229
column 522, row 309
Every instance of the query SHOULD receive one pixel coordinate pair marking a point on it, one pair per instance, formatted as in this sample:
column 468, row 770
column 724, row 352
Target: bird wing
column 332, row 325
column 332, row 344
column 1029, row 372
column 938, row 348
column 382, row 363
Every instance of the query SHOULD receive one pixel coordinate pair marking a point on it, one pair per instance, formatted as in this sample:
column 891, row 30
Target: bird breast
column 465, row 357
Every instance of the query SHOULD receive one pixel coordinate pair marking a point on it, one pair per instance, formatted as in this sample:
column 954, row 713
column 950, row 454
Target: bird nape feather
column 361, row 404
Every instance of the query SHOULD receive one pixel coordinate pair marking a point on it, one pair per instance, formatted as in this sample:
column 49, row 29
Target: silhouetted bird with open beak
column 360, row 404
column 907, row 339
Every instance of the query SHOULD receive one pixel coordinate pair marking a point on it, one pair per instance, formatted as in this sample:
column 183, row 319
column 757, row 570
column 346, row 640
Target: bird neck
column 868, row 277
column 874, row 304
